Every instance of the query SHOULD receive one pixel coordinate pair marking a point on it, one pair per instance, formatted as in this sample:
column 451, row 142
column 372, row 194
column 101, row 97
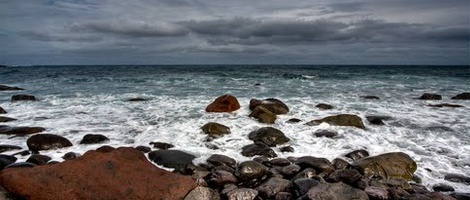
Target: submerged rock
column 325, row 133
column 23, row 97
column 324, row 106
column 269, row 136
column 263, row 115
column 5, row 87
column 430, row 96
column 171, row 158
column 462, row 96
column 7, row 147
column 341, row 120
column 93, row 139
column 376, row 119
column 448, row 105
column 161, row 145
column 225, row 103
column 46, row 142
column 275, row 106
column 215, row 129
column 370, row 97
column 20, row 130
column 458, row 178
column 389, row 165
column 293, row 121
column 442, row 188
column 6, row 119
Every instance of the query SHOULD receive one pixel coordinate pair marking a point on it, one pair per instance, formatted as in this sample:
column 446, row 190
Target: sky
column 345, row 32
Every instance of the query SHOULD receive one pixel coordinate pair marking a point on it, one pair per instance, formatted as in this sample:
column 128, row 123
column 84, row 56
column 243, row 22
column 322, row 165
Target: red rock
column 124, row 173
column 225, row 103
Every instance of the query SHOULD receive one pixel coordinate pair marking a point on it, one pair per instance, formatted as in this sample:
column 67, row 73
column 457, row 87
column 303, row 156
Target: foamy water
column 74, row 101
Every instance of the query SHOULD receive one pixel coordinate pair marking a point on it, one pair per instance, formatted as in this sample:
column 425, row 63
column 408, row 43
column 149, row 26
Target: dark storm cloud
column 133, row 28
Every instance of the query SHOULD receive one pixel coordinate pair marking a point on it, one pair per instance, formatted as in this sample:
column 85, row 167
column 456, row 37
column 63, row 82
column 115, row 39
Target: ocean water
column 78, row 100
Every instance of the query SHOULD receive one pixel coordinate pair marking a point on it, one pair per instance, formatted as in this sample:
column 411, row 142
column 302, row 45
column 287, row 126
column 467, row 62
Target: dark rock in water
column 461, row 196
column 273, row 186
column 377, row 193
column 2, row 111
column 39, row 159
column 105, row 149
column 215, row 129
column 171, row 158
column 458, row 178
column 325, row 133
column 93, row 139
column 23, row 97
column 293, row 121
column 249, row 170
column 442, row 188
column 70, row 156
column 348, row 176
column 341, row 120
column 462, row 96
column 389, row 165
column 430, row 96
column 336, row 191
column 276, row 106
column 46, row 142
column 357, row 154
column 22, row 153
column 137, row 99
column 258, row 149
column 6, row 147
column 448, row 105
column 161, row 145
column 286, row 149
column 269, row 136
column 319, row 164
column 6, row 160
column 6, row 119
column 376, row 120
column 218, row 160
column 242, row 194
column 370, row 97
column 324, row 106
column 202, row 193
column 280, row 162
column 339, row 163
column 303, row 185
column 263, row 115
column 20, row 130
column 143, row 149
column 5, row 87
column 225, row 103
column 21, row 165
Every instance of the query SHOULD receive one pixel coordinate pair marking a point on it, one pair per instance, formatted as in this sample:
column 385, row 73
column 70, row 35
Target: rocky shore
column 128, row 172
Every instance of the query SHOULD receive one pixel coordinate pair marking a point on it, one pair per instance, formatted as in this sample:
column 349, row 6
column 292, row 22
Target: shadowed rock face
column 123, row 173
column 389, row 165
column 225, row 103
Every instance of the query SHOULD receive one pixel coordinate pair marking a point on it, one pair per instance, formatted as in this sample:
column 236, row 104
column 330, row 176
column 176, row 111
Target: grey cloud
column 133, row 28
column 348, row 6
column 50, row 37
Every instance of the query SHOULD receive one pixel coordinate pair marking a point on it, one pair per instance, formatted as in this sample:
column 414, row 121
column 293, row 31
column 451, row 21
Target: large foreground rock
column 20, row 130
column 341, row 120
column 389, row 165
column 225, row 103
column 46, row 142
column 336, row 191
column 275, row 106
column 123, row 173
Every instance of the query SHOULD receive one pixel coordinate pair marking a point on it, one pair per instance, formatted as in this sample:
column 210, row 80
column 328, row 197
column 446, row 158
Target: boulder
column 430, row 96
column 389, row 165
column 377, row 193
column 263, row 115
column 5, row 87
column 202, row 193
column 457, row 178
column 462, row 96
column 370, row 97
column 325, row 133
column 143, row 149
column 276, row 106
column 273, row 186
column 161, row 145
column 46, row 142
column 6, row 119
column 290, row 170
column 377, row 120
column 242, row 194
column 348, row 176
column 215, row 129
column 6, row 160
column 339, row 163
column 341, row 120
column 258, row 149
column 23, row 97
column 222, row 177
column 20, row 130
column 357, row 154
column 336, row 191
column 20, row 165
column 303, row 185
column 249, row 170
column 2, row 111
column 279, row 162
column 38, row 159
column 286, row 149
column 171, row 158
column 324, row 106
column 219, row 160
column 269, row 136
column 447, row 105
column 123, row 173
column 105, row 149
column 319, row 164
column 441, row 187
column 225, row 103
column 7, row 147
column 70, row 156
column 93, row 139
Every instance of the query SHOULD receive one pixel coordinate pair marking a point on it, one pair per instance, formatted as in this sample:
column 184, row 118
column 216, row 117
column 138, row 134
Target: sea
column 77, row 100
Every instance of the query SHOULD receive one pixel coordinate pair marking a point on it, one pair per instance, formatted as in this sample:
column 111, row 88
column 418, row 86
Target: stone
column 3, row 111
column 123, row 173
column 303, row 185
column 388, row 165
column 143, row 149
column 6, row 160
column 225, row 103
column 336, row 191
column 20, row 165
column 348, row 176
column 457, row 178
column 258, row 149
column 306, row 173
column 319, row 164
column 202, row 193
column 430, row 96
column 93, row 139
column 441, row 187
column 341, row 120
column 324, row 106
column 283, row 196
column 273, row 186
column 7, row 147
column 161, row 145
column 447, row 105
column 171, row 158
column 263, row 115
column 70, row 156
column 6, row 119
column 375, row 120
column 461, row 196
column 137, row 99
column 20, row 130
column 293, row 121
column 38, row 159
column 275, row 106
column 215, row 129
column 377, row 193
column 462, row 96
column 269, row 136
column 23, row 97
column 242, row 194
column 46, row 142
column 339, row 163
column 370, row 97
column 249, row 170
column 357, row 154
column 5, row 87
column 286, row 149
column 222, row 177
column 105, row 149
column 325, row 133
column 218, row 160
column 280, row 162
column 291, row 170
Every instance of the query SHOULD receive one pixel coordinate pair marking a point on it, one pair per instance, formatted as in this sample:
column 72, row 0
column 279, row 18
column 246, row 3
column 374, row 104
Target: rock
column 293, row 121
column 280, row 162
column 341, row 120
column 306, row 173
column 215, row 129
column 324, row 106
column 242, row 194
column 303, row 185
column 222, row 177
column 249, row 170
column 202, row 193
column 442, row 188
column 377, row 193
column 258, row 149
column 283, row 196
column 357, row 154
column 171, row 158
column 2, row 111
column 46, row 142
column 6, row 147
column 6, row 160
column 39, row 159
column 93, row 139
column 339, row 163
column 263, row 115
column 348, row 176
column 269, row 136
column 123, row 173
column 319, row 164
column 336, row 191
column 225, row 103
column 143, row 149
column 286, row 149
column 6, row 119
column 105, row 149
column 462, row 96
column 389, row 165
column 218, row 160
column 5, row 87
column 457, row 178
column 370, row 97
column 20, row 130
column 23, row 97
column 137, row 99
column 276, row 106
column 461, row 196
column 430, row 96
column 325, row 133
column 291, row 170
column 70, row 156
column 20, row 165
column 273, row 186
column 448, row 105
column 161, row 145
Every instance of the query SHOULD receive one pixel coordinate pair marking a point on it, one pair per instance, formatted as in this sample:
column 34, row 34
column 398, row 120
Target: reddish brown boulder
column 225, row 103
column 123, row 173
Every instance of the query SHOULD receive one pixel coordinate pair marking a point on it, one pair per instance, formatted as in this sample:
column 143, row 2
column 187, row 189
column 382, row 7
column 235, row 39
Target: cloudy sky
column 41, row 32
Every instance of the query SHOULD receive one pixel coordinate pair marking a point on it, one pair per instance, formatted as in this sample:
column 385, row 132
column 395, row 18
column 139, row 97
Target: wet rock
column 319, row 164
column 336, row 191
column 5, row 87
column 339, row 163
column 161, row 145
column 348, row 176
column 23, row 97
column 70, row 156
column 20, row 165
column 376, row 120
column 222, row 177
column 290, row 170
column 249, row 170
column 293, row 121
column 273, row 186
column 457, row 178
column 143, row 149
column 6, row 119
column 215, row 129
column 357, row 154
column 123, row 173
column 225, row 103
column 22, row 153
column 377, row 193
column 279, row 162
column 325, row 133
column 46, row 142
column 370, row 97
column 447, row 105
column 341, row 120
column 430, row 96
column 462, row 96
column 461, row 196
column 258, row 149
column 263, row 115
column 306, row 173
column 303, row 185
column 283, row 196
column 6, row 160
column 324, row 106
column 39, row 159
column 269, row 136
column 276, row 106
column 286, row 149
column 389, row 165
column 442, row 188
column 2, row 111
column 105, row 149
column 137, row 99
column 242, row 194
column 6, row 147
column 20, row 130
column 171, row 158
column 218, row 160
column 202, row 193
column 93, row 139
